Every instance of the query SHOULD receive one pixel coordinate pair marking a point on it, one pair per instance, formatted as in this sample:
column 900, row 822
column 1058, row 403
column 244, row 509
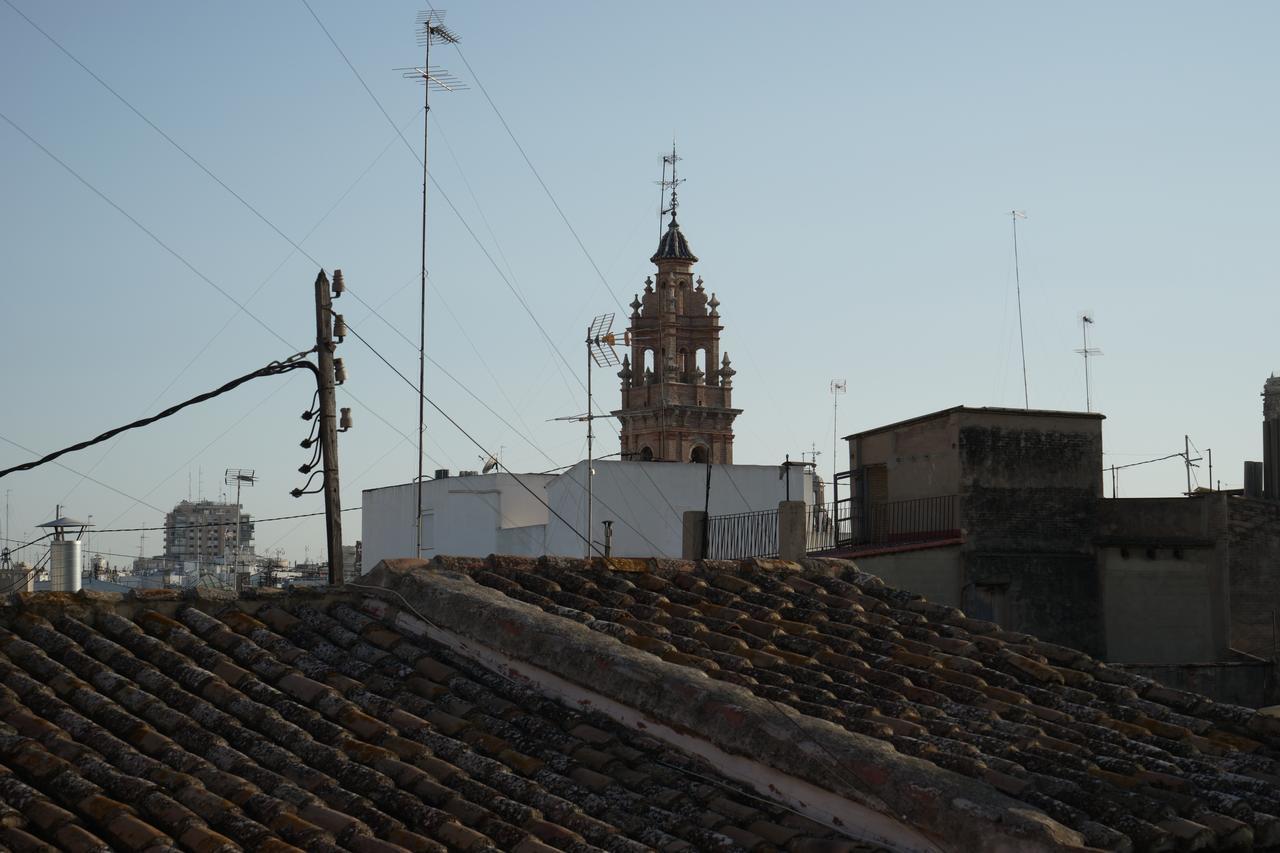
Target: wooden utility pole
column 329, row 426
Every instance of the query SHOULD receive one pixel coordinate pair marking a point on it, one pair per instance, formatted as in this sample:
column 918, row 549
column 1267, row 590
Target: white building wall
column 461, row 516
column 493, row 514
column 647, row 500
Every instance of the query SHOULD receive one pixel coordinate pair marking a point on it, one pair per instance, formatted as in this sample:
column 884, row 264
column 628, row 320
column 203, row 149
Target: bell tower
column 676, row 384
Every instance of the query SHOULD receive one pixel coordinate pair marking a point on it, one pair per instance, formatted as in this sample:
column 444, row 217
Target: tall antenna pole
column 433, row 32
column 591, row 434
column 1015, row 215
column 422, row 300
column 1085, row 322
column 838, row 387
column 600, row 352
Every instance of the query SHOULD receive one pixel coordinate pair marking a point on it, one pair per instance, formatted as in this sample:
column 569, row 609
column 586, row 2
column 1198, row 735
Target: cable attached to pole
column 276, row 368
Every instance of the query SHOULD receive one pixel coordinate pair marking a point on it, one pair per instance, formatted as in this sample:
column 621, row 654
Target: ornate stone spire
column 677, row 401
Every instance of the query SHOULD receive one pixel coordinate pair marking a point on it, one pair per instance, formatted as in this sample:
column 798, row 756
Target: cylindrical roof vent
column 64, row 566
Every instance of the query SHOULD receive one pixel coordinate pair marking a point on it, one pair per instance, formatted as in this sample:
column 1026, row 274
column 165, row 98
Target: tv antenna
column 239, row 477
column 1015, row 215
column 838, row 387
column 431, row 31
column 664, row 184
column 1086, row 320
column 600, row 353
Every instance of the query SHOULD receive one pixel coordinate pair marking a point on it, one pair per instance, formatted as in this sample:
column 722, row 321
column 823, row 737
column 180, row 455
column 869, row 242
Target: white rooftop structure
column 481, row 514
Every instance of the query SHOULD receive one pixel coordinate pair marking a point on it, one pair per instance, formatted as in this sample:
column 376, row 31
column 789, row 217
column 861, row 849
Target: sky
column 850, row 168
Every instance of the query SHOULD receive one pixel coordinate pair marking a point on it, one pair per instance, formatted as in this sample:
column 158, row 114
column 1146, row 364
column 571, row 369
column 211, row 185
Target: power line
column 487, row 452
column 24, row 544
column 273, row 369
column 145, row 230
column 604, row 282
column 187, row 526
column 196, row 161
column 467, row 226
column 230, row 319
column 83, row 475
column 243, row 201
column 436, row 185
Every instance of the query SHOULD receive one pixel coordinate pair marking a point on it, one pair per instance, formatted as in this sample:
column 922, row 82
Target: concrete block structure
column 1020, row 484
column 1183, row 588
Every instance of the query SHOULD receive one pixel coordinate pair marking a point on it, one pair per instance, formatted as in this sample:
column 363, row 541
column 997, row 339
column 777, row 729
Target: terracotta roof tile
column 1119, row 757
column 309, row 724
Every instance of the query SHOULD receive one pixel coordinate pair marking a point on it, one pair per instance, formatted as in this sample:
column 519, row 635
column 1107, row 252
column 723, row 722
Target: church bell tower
column 676, row 384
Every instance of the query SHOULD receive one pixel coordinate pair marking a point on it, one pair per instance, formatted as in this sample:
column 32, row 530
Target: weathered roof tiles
column 1127, row 762
column 307, row 724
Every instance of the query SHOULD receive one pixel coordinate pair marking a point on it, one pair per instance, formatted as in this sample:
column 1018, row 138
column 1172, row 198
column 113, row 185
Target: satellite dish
column 490, row 464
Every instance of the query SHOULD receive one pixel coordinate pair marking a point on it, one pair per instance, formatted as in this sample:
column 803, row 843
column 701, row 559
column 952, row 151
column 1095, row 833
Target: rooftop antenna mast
column 1015, row 215
column 431, row 31
column 664, row 185
column 1086, row 351
column 239, row 477
column 600, row 353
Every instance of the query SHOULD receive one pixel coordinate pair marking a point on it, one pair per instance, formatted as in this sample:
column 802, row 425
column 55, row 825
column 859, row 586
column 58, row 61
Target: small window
column 646, row 454
column 698, row 455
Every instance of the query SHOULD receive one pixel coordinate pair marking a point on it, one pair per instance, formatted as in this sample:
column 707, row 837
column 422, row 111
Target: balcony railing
column 838, row 526
column 858, row 523
column 743, row 535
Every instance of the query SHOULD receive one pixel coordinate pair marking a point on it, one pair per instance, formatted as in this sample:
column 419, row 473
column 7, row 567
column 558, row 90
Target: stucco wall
column 647, row 501
column 1158, row 608
column 492, row 514
column 1029, row 484
column 1167, row 602
column 1253, row 540
column 931, row 572
column 1056, row 597
column 461, row 516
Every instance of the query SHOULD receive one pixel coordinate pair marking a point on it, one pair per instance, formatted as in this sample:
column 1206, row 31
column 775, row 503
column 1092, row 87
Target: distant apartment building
column 202, row 531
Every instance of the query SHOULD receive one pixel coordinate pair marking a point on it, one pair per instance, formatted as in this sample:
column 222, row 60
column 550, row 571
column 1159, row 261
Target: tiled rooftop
column 1121, row 759
column 153, row 722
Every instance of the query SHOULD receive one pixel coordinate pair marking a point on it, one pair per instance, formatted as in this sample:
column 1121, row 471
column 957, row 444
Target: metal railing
column 743, row 535
column 842, row 524
column 858, row 523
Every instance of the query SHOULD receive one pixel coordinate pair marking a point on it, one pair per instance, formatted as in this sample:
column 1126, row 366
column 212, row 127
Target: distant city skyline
column 850, row 171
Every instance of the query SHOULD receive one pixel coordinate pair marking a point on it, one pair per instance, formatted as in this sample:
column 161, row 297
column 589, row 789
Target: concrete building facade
column 204, row 531
column 1184, row 589
column 1020, row 486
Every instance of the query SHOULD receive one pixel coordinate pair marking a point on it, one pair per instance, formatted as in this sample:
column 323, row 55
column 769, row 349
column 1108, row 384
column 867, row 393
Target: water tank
column 64, row 566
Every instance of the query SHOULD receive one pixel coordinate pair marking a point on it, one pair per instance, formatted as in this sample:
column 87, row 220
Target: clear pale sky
column 850, row 171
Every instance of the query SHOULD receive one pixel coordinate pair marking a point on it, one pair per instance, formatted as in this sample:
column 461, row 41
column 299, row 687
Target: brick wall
column 1253, row 542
